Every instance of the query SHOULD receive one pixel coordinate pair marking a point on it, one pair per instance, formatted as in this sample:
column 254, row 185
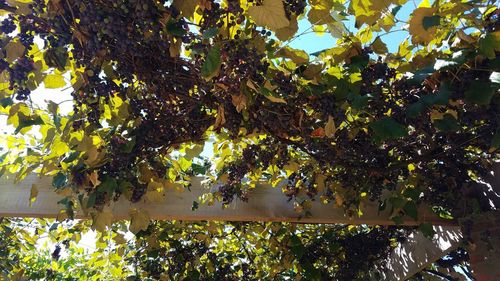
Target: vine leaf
column 186, row 7
column 94, row 179
column 297, row 56
column 479, row 92
column 33, row 193
column 139, row 220
column 379, row 47
column 387, row 128
column 25, row 122
column 102, row 220
column 212, row 64
column 287, row 32
column 54, row 81
column 330, row 128
column 239, row 101
column 489, row 44
column 14, row 50
column 220, row 120
column 423, row 25
column 271, row 14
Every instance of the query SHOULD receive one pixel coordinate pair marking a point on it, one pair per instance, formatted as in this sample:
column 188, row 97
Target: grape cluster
column 8, row 25
column 294, row 7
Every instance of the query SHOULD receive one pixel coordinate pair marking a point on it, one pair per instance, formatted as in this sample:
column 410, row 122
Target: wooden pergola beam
column 265, row 204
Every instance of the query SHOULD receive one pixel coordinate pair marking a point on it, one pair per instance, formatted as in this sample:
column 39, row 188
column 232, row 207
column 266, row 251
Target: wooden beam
column 265, row 204
column 419, row 252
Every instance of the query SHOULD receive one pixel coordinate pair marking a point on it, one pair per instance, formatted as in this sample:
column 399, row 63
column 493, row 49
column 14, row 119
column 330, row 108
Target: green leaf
column 427, row 101
column 210, row 33
column 386, row 129
column 297, row 247
column 198, row 169
column 396, row 9
column 108, row 185
column 56, row 57
column 175, row 28
column 129, row 145
column 479, row 92
column 398, row 220
column 54, row 81
column 212, row 64
column 71, row 157
column 415, row 109
column 60, row 180
column 195, row 206
column 412, row 193
column 489, row 44
column 359, row 102
column 427, row 230
column 397, row 202
column 431, row 21
column 495, row 141
column 420, row 75
column 447, row 124
column 411, row 210
column 6, row 102
column 25, row 122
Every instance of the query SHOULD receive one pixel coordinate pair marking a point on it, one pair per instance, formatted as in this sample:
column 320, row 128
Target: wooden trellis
column 266, row 204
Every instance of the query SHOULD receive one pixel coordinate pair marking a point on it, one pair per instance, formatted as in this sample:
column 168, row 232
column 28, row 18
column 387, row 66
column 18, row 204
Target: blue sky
column 312, row 42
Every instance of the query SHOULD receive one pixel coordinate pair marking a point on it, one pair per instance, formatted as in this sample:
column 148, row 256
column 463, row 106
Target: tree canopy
column 154, row 83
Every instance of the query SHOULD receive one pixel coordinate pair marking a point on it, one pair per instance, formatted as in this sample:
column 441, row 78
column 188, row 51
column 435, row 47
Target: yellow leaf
column 33, row 193
column 275, row 99
column 330, row 128
column 364, row 11
column 93, row 177
column 321, row 4
column 271, row 14
column 184, row 164
column 297, row 56
column 54, row 81
column 59, row 148
column 139, row 220
column 102, row 220
column 14, row 50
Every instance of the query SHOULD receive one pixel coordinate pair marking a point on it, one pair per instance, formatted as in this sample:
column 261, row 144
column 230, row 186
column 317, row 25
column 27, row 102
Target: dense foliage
column 153, row 82
column 202, row 251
